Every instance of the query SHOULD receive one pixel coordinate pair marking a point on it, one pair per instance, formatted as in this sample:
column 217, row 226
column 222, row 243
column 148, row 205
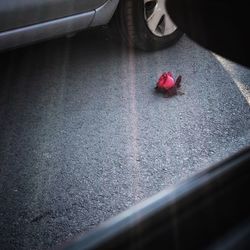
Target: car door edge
column 104, row 13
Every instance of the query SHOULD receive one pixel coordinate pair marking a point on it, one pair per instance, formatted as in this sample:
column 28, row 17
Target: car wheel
column 145, row 24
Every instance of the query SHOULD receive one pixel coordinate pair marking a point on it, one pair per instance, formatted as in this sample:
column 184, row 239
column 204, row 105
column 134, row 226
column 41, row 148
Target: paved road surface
column 83, row 136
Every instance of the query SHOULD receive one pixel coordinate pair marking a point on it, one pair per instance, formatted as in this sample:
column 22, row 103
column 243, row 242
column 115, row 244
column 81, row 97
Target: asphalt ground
column 83, row 135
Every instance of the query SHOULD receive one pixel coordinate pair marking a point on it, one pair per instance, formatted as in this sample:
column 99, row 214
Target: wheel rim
column 157, row 18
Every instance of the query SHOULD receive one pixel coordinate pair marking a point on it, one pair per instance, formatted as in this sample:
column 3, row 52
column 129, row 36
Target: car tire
column 136, row 25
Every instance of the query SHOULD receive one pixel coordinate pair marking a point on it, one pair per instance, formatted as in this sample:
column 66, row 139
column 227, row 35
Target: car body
column 28, row 21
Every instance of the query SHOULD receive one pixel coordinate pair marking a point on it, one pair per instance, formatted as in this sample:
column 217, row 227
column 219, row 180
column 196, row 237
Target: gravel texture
column 83, row 135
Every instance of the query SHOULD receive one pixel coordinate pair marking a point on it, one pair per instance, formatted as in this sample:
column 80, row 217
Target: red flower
column 166, row 81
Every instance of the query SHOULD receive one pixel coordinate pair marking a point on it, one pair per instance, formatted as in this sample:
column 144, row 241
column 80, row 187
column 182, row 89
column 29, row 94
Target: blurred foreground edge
column 208, row 211
column 219, row 25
